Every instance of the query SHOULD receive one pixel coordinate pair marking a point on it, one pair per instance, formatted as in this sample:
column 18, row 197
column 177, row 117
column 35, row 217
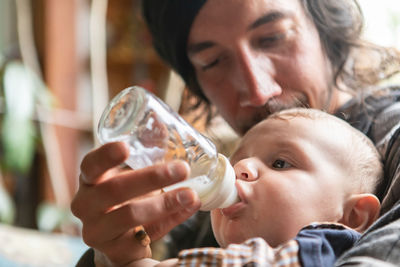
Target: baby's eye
column 281, row 164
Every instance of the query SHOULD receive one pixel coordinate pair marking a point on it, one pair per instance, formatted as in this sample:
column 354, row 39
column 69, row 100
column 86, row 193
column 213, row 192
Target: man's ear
column 360, row 211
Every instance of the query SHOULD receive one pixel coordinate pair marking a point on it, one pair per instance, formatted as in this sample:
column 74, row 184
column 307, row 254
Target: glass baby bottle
column 157, row 134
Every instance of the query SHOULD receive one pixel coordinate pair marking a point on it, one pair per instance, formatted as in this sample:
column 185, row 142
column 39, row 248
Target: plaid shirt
column 316, row 245
column 253, row 252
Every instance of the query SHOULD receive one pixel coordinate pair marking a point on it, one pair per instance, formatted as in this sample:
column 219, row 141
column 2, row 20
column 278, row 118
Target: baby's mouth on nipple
column 233, row 211
column 238, row 205
column 239, row 189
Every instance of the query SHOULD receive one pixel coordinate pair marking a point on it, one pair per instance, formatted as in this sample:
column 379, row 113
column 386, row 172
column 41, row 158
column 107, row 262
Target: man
column 249, row 59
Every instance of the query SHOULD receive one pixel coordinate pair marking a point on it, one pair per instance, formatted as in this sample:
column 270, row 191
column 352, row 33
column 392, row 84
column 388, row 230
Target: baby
column 306, row 182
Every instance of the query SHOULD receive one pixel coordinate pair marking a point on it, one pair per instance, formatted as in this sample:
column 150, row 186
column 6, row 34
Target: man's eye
column 281, row 164
column 210, row 65
column 270, row 40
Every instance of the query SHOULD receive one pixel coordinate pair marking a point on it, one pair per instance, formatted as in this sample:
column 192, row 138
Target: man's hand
column 111, row 203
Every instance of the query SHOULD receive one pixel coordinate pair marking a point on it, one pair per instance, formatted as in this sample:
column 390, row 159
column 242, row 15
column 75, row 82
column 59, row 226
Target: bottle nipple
column 216, row 191
column 223, row 191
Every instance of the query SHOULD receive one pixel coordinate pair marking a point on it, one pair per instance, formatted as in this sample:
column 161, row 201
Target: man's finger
column 142, row 212
column 99, row 161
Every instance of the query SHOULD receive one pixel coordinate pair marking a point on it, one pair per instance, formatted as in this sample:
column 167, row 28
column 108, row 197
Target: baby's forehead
column 321, row 131
column 300, row 122
column 308, row 121
column 299, row 137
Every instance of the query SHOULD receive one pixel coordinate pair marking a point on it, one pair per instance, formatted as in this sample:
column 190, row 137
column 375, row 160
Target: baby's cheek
column 216, row 218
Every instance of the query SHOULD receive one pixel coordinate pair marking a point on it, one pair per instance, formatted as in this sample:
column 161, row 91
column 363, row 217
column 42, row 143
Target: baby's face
column 289, row 174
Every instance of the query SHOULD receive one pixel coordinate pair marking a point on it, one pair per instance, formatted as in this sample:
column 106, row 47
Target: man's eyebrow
column 267, row 18
column 198, row 47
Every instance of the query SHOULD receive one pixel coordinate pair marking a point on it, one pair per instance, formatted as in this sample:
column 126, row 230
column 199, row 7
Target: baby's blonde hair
column 359, row 154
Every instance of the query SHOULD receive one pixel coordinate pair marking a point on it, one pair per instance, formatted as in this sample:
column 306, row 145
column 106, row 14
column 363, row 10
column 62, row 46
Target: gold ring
column 141, row 236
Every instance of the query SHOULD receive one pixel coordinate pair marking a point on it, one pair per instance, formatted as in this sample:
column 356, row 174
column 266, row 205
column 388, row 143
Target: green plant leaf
column 7, row 207
column 50, row 217
column 18, row 138
column 19, row 88
column 18, row 131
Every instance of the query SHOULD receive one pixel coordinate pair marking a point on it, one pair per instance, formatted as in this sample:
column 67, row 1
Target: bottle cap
column 218, row 191
column 222, row 191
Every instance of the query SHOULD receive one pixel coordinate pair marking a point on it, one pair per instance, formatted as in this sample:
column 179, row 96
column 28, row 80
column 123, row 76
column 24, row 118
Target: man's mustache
column 275, row 105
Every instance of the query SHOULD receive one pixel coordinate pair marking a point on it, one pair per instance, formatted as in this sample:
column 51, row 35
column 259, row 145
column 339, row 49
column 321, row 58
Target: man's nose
column 246, row 170
column 255, row 79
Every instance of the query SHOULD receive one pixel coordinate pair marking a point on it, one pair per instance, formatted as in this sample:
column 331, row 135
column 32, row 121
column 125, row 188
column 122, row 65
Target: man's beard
column 272, row 106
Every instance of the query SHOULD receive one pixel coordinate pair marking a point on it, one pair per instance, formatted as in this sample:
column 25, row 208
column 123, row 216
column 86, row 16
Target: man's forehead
column 253, row 14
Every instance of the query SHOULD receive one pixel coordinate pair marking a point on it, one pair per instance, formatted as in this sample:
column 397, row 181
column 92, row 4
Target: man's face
column 289, row 174
column 256, row 57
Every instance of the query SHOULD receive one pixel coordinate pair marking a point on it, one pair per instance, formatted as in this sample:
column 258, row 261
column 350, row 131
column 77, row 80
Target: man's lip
column 273, row 105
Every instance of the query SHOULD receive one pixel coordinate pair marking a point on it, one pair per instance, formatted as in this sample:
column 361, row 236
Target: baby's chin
column 224, row 242
column 226, row 239
column 227, row 231
column 226, row 236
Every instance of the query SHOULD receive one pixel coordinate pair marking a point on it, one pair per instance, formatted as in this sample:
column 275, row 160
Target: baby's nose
column 246, row 170
column 244, row 176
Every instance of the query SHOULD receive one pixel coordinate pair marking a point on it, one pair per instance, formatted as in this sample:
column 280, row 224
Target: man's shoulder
column 366, row 109
column 379, row 245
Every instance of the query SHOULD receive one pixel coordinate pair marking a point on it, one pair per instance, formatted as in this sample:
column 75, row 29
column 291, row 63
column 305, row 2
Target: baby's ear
column 360, row 211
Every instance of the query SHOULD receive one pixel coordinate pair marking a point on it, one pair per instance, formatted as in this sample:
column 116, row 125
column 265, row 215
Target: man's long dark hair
column 355, row 63
column 339, row 24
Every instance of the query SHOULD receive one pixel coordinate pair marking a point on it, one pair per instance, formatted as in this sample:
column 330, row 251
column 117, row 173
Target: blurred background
column 60, row 63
